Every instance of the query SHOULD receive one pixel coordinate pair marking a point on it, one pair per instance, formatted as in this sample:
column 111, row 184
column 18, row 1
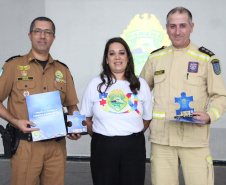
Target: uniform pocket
column 159, row 78
column 152, row 170
column 210, row 172
column 25, row 88
column 194, row 80
column 160, row 85
column 61, row 87
column 195, row 86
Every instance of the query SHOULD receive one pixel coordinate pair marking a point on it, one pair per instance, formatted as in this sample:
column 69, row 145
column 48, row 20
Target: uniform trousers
column 34, row 160
column 196, row 163
column 118, row 160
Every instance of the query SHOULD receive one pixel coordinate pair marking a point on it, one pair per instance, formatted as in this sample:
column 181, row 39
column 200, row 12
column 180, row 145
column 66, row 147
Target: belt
column 24, row 136
column 28, row 137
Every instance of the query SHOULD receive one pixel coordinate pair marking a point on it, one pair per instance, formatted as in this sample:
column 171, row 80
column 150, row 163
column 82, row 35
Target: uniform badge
column 59, row 74
column 216, row 66
column 60, row 80
column 1, row 71
column 24, row 73
column 26, row 93
column 193, row 67
column 22, row 68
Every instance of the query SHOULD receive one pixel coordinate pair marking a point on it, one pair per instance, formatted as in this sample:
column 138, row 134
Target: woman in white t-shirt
column 118, row 110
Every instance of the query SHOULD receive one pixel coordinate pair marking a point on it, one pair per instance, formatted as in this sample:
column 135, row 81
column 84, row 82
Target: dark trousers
column 118, row 160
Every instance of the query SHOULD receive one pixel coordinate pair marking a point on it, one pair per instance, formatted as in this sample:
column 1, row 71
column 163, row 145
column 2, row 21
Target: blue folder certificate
column 45, row 111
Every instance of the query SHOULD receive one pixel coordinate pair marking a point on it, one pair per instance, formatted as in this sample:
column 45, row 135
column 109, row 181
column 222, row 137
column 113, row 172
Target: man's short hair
column 42, row 19
column 181, row 10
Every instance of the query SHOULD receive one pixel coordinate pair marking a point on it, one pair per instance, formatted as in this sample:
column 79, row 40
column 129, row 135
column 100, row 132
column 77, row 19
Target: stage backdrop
column 84, row 26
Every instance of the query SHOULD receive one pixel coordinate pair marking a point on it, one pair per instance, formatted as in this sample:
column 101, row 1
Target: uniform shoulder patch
column 62, row 63
column 11, row 58
column 216, row 66
column 158, row 49
column 206, row 51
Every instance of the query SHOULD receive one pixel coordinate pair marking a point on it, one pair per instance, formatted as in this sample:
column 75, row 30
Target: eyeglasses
column 39, row 32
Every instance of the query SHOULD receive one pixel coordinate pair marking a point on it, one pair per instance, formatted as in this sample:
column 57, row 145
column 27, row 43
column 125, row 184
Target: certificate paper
column 45, row 111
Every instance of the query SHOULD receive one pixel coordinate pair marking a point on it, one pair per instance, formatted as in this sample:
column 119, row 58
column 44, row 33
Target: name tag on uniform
column 25, row 78
column 160, row 72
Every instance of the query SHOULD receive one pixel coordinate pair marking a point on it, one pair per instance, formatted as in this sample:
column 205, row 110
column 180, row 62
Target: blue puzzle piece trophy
column 77, row 127
column 184, row 105
column 184, row 114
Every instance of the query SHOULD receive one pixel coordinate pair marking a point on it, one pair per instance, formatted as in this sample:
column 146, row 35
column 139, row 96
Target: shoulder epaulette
column 12, row 58
column 62, row 63
column 158, row 49
column 206, row 51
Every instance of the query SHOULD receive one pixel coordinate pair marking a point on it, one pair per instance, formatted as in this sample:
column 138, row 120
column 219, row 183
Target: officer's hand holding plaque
column 77, row 127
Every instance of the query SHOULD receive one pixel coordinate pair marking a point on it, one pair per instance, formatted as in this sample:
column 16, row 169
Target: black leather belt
column 23, row 136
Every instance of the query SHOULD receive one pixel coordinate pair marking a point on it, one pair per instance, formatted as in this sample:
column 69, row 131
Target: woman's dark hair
column 108, row 78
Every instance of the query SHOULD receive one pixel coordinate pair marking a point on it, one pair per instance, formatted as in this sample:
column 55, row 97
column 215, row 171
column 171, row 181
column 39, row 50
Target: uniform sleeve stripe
column 158, row 115
column 216, row 113
column 160, row 54
column 198, row 55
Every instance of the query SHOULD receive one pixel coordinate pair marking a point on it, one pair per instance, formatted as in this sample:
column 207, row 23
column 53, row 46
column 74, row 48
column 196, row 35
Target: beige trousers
column 196, row 164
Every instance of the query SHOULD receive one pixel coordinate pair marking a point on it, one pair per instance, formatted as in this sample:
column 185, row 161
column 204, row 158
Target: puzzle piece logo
column 76, row 120
column 184, row 105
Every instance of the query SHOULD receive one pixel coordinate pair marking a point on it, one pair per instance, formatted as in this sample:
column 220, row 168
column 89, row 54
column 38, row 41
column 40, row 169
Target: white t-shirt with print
column 118, row 112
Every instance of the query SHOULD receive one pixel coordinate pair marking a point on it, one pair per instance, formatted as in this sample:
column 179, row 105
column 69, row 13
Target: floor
column 78, row 172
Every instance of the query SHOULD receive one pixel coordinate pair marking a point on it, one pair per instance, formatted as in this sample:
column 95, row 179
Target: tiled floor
column 78, row 173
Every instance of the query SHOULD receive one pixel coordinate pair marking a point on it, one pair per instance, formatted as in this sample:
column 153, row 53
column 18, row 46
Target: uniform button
column 25, row 85
column 44, row 88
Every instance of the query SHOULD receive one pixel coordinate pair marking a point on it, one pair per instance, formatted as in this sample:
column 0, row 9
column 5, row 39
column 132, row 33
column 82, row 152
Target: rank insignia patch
column 216, row 66
column 59, row 74
column 23, row 67
column 193, row 67
column 1, row 71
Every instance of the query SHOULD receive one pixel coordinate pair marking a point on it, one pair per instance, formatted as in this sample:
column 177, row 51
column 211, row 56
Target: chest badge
column 26, row 93
column 24, row 73
column 22, row 68
column 59, row 74
column 193, row 67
